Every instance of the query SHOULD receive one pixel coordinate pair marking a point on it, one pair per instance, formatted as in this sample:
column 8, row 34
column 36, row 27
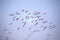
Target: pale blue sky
column 52, row 7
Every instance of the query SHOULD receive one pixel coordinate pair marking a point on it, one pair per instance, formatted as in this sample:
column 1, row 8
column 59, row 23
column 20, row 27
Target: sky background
column 52, row 7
